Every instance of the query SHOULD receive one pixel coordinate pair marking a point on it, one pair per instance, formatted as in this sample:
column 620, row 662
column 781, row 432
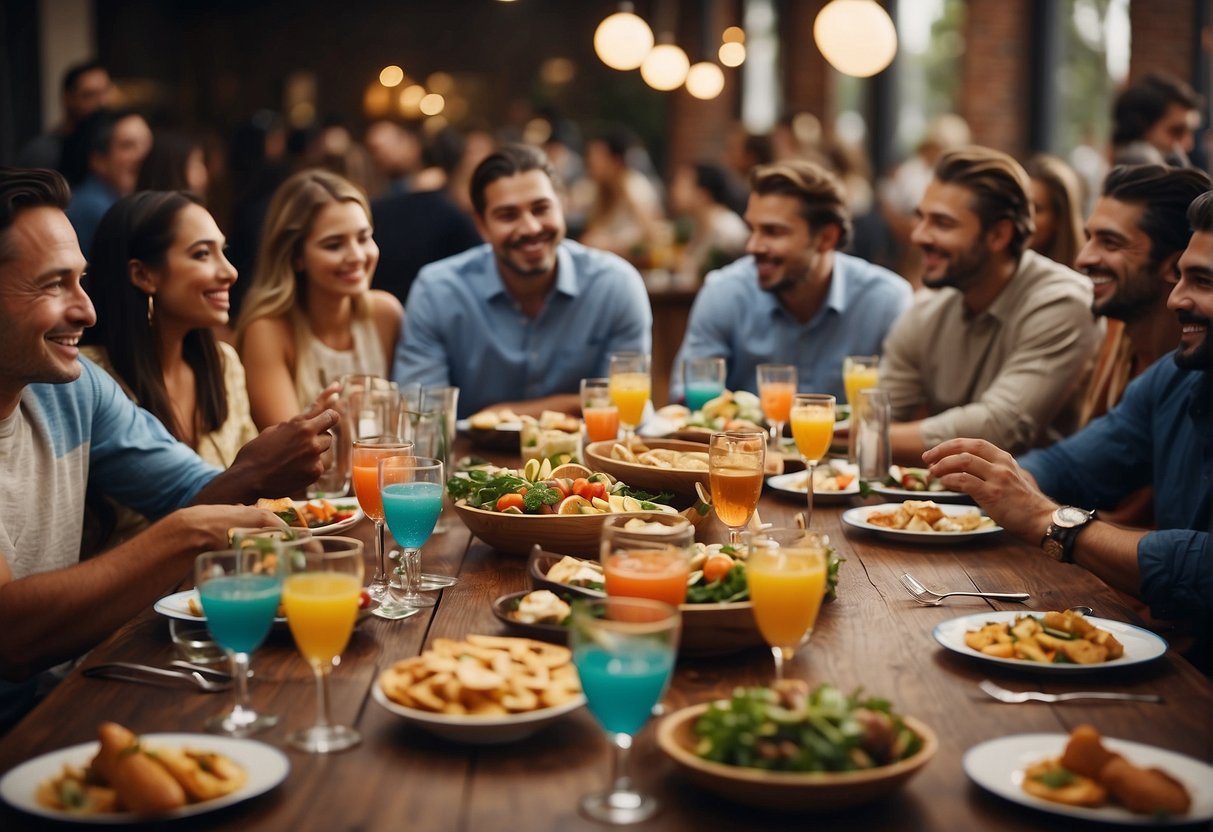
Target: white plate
column 341, row 504
column 905, row 494
column 856, row 518
column 177, row 606
column 998, row 766
column 266, row 767
column 479, row 730
column 1141, row 645
column 794, row 485
column 465, row 426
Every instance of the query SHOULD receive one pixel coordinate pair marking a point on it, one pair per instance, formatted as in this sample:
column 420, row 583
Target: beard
column 1134, row 295
column 795, row 273
column 522, row 266
column 964, row 269
column 1200, row 356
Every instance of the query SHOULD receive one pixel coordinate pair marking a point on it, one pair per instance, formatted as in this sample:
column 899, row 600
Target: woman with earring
column 310, row 315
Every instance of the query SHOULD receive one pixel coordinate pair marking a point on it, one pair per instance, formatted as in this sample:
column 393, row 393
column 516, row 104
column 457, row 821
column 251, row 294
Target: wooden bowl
column 674, row 480
column 707, row 629
column 787, row 791
column 515, row 534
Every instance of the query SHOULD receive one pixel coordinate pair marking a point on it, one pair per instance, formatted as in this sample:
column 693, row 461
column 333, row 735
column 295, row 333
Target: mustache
column 1096, row 271
column 533, row 238
column 1186, row 317
column 929, row 249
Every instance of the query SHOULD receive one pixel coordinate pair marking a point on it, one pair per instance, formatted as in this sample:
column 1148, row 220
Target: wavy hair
column 1065, row 196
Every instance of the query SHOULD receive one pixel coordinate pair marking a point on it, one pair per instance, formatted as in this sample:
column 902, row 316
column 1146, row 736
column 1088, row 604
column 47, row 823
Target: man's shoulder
column 1042, row 281
column 456, row 268
column 866, row 276
column 737, row 278
column 1164, row 376
column 596, row 263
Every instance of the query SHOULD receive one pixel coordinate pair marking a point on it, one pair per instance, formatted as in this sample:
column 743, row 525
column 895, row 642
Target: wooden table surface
column 874, row 636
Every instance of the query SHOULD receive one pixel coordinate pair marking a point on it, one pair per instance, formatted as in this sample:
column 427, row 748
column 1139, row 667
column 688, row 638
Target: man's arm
column 53, row 616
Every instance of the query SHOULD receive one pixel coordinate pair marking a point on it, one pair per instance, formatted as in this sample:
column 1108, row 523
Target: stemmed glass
column 598, row 412
column 411, row 488
column 239, row 590
column 647, row 556
column 367, row 453
column 786, row 571
column 320, row 594
column 624, row 650
column 631, row 385
column 702, row 381
column 776, row 387
column 813, row 429
column 735, row 468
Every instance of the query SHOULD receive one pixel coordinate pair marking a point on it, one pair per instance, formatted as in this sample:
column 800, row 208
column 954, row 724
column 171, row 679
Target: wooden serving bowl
column 678, row 481
column 787, row 791
column 515, row 534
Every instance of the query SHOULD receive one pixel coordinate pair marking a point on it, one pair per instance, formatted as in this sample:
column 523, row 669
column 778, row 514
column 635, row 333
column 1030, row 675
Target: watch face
column 1069, row 516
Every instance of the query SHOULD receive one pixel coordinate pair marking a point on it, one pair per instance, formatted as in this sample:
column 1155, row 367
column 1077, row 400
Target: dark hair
column 25, row 188
column 618, row 141
column 1000, row 188
column 1140, row 105
column 759, row 147
column 507, row 160
column 92, row 135
column 142, row 227
column 721, row 185
column 72, row 76
column 164, row 167
column 444, row 150
column 1165, row 193
column 821, row 195
column 1200, row 213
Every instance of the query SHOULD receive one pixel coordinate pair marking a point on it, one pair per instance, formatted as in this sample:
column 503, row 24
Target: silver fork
column 129, row 672
column 929, row 598
column 1004, row 695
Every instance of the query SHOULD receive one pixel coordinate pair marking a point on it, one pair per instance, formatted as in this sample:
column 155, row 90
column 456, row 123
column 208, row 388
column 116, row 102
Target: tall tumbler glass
column 870, row 423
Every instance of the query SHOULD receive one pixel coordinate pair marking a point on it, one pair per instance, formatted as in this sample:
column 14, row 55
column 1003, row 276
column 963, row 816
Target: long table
column 873, row 636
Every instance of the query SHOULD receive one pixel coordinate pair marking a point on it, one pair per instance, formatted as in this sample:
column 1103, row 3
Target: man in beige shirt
column 1000, row 349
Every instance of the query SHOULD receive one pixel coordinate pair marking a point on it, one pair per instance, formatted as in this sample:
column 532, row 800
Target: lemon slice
column 573, row 504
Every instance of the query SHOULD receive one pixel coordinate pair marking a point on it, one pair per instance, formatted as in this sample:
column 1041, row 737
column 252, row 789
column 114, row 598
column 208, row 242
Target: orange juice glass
column 647, row 556
column 859, row 372
column 786, row 572
column 365, row 469
column 776, row 388
column 630, row 386
column 812, row 428
column 598, row 412
column 735, row 467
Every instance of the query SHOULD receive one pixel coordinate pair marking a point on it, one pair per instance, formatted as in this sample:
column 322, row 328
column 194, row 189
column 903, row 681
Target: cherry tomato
column 364, row 600
column 596, row 489
column 580, row 486
column 507, row 500
column 716, row 567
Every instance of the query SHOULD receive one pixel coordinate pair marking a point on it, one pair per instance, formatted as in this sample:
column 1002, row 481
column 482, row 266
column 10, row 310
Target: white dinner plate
column 795, row 485
column 856, row 518
column 266, row 767
column 177, row 606
column 1141, row 645
column 905, row 494
column 341, row 504
column 999, row 765
column 479, row 730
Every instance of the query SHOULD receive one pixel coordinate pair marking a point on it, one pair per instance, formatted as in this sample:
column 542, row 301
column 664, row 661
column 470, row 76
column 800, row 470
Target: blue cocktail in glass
column 412, row 488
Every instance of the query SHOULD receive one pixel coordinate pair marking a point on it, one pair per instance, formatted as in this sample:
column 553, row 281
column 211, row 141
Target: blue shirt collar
column 488, row 284
column 836, row 295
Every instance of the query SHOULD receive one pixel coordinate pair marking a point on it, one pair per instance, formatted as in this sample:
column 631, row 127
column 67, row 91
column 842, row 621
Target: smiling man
column 795, row 299
column 1158, row 434
column 1003, row 346
column 519, row 321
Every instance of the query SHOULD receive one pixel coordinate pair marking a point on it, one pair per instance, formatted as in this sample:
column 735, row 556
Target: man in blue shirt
column 519, row 321
column 105, row 152
column 1159, row 433
column 795, row 299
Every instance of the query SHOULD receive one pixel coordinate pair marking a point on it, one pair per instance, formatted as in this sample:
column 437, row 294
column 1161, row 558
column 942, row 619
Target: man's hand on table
column 993, row 478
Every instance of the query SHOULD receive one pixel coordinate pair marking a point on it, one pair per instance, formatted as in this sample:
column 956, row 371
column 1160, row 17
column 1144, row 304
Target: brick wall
column 1162, row 37
column 996, row 73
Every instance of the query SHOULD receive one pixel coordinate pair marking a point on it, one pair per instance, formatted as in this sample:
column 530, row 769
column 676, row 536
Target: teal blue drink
column 621, row 690
column 411, row 510
column 240, row 609
column 699, row 393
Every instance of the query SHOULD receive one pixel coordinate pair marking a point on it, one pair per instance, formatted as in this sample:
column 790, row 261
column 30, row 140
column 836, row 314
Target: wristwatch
column 1068, row 521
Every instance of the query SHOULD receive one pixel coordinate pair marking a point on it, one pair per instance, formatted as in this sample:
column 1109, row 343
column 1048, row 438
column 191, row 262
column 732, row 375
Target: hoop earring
column 151, row 309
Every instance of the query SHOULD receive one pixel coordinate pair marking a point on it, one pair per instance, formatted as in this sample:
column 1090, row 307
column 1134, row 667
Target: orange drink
column 658, row 574
column 320, row 609
column 859, row 372
column 365, row 475
column 630, row 393
column 776, row 398
column 601, row 423
column 735, row 493
column 786, row 573
column 366, row 489
column 813, row 429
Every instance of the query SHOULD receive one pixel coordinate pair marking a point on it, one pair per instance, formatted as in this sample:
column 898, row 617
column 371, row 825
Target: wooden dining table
column 873, row 637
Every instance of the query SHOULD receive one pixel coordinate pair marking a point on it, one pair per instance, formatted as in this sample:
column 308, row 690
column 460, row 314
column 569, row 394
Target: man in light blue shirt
column 794, row 299
column 519, row 321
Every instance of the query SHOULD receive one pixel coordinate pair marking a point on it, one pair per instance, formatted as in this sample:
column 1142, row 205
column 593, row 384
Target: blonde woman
column 310, row 315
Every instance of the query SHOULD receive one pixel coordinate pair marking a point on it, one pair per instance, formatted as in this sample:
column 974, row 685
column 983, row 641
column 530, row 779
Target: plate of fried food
column 656, row 465
column 537, row 613
column 836, row 482
column 484, row 690
column 1049, row 642
column 124, row 778
column 922, row 521
column 904, row 483
column 1101, row 779
column 318, row 516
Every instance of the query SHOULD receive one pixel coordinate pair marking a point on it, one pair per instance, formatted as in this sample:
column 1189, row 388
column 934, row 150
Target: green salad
column 789, row 728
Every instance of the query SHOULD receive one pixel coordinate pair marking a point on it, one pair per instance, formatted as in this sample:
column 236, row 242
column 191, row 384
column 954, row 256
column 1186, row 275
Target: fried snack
column 1146, row 791
column 72, row 792
column 284, row 508
column 144, row 785
column 1028, row 638
column 483, row 676
column 664, row 458
column 927, row 516
column 204, row 775
column 1085, row 753
column 1052, row 781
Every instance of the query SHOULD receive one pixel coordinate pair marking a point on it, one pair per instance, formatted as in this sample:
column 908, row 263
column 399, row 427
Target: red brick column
column 1162, row 37
column 996, row 75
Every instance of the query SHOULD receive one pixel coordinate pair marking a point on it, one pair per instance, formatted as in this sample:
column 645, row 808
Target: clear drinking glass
column 871, row 419
column 598, row 413
column 631, row 386
column 320, row 593
column 240, row 590
column 367, row 453
column 624, row 650
column 368, row 405
column 412, row 489
column 702, row 381
column 786, row 571
column 813, row 429
column 735, row 468
column 776, row 387
column 859, row 372
column 647, row 556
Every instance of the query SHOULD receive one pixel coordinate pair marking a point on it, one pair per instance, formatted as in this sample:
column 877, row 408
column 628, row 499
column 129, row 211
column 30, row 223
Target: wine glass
column 367, row 453
column 320, row 594
column 813, row 429
column 411, row 488
column 630, row 385
column 624, row 650
column 859, row 372
column 702, row 381
column 786, row 572
column 239, row 590
column 735, row 468
column 647, row 556
column 598, row 412
column 776, row 387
